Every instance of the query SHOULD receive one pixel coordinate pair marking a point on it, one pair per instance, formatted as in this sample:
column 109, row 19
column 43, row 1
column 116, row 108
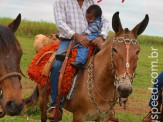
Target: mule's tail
column 33, row 99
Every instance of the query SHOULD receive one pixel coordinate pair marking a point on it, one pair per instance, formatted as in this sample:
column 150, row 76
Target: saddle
column 39, row 69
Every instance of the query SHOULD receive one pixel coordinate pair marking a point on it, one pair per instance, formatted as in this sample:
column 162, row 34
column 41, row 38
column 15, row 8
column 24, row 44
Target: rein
column 90, row 85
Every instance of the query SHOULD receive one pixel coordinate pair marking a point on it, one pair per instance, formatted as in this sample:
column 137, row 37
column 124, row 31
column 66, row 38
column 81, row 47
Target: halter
column 7, row 76
column 127, row 43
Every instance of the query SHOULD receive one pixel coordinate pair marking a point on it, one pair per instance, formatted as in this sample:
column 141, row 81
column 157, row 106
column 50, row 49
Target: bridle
column 90, row 80
column 127, row 74
column 10, row 75
column 7, row 76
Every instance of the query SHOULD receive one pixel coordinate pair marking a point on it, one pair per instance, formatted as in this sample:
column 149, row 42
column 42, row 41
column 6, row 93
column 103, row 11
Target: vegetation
column 137, row 105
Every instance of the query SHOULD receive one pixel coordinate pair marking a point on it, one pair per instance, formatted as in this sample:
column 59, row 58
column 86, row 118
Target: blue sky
column 131, row 12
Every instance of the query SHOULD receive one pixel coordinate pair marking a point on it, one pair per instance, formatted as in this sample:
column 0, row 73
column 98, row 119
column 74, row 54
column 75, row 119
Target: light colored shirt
column 71, row 19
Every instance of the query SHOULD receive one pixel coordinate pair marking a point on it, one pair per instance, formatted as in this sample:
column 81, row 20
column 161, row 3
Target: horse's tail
column 33, row 99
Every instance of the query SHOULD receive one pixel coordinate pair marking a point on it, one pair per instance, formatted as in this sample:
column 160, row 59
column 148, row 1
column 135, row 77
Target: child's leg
column 91, row 36
column 82, row 54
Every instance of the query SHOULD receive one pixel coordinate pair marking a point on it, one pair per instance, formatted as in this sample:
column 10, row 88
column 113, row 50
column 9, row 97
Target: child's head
column 93, row 12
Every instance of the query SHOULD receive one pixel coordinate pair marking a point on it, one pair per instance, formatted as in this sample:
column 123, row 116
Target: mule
column 11, row 102
column 108, row 76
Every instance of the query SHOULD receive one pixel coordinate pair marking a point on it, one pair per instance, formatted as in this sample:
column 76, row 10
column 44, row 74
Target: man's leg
column 55, row 73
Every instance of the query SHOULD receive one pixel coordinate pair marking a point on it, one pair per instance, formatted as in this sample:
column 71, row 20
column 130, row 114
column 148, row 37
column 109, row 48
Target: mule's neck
column 103, row 77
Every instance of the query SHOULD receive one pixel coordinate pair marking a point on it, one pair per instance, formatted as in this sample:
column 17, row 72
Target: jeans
column 83, row 52
column 63, row 45
column 157, row 86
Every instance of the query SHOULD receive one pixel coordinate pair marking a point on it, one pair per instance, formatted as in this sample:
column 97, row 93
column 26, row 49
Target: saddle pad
column 35, row 68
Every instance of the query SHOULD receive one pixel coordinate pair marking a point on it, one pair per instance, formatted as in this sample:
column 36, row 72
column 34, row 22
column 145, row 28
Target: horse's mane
column 7, row 39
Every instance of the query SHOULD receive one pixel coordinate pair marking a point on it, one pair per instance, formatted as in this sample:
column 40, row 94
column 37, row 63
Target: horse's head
column 11, row 102
column 125, row 50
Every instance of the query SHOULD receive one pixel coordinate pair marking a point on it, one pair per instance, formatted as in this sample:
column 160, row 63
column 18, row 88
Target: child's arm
column 94, row 27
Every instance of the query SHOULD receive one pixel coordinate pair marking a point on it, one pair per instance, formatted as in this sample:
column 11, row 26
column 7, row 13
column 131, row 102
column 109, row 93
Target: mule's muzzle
column 13, row 109
column 124, row 88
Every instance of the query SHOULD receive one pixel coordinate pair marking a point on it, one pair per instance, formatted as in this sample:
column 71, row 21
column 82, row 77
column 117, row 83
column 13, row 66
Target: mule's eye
column 137, row 53
column 114, row 50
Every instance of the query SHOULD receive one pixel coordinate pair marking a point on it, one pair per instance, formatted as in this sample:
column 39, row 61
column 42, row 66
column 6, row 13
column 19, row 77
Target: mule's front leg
column 43, row 104
column 78, row 117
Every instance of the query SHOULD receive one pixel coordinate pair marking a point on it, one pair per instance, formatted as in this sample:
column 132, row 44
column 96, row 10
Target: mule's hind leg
column 43, row 103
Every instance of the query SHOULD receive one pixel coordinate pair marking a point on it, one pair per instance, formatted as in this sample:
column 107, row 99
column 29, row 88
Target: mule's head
column 11, row 102
column 125, row 50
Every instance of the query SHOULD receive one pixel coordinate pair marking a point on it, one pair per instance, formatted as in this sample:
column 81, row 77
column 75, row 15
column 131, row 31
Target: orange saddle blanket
column 35, row 68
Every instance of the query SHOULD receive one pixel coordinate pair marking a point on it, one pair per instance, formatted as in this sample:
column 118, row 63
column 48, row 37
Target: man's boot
column 53, row 113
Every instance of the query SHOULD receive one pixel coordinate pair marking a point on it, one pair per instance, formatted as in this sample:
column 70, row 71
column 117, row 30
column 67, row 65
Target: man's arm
column 105, row 28
column 60, row 19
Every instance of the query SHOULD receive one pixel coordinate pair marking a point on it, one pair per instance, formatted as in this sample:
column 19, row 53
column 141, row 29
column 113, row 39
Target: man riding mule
column 71, row 22
column 107, row 77
column 11, row 102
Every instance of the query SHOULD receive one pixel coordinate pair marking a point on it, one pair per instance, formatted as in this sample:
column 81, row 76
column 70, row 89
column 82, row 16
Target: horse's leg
column 78, row 117
column 43, row 103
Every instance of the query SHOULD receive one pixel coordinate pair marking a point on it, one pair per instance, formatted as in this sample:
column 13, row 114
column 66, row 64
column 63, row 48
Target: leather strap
column 62, row 70
column 127, row 58
column 9, row 75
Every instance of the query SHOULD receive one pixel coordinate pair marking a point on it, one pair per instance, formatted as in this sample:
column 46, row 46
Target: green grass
column 32, row 28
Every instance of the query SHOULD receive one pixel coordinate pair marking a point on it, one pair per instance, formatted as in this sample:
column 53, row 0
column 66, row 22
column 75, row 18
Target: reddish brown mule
column 110, row 70
column 11, row 102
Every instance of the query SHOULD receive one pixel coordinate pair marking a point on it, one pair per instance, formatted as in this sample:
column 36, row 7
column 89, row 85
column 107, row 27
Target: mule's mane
column 7, row 39
column 107, row 42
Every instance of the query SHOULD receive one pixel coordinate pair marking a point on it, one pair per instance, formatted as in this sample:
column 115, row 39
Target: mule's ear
column 116, row 23
column 138, row 29
column 15, row 24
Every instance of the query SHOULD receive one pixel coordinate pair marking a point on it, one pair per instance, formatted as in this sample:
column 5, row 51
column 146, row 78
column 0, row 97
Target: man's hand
column 98, row 41
column 81, row 39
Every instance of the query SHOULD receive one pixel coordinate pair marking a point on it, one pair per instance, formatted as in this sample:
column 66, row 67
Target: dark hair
column 95, row 9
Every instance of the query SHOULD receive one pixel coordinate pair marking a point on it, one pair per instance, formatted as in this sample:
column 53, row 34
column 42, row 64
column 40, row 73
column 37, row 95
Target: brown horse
column 108, row 76
column 11, row 102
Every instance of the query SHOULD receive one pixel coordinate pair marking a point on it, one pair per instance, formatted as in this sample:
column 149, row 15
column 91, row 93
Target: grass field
column 137, row 105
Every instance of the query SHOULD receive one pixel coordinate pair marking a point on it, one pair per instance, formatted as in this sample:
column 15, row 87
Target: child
column 93, row 16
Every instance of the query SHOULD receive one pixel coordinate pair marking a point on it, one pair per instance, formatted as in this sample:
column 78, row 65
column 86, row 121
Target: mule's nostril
column 124, row 90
